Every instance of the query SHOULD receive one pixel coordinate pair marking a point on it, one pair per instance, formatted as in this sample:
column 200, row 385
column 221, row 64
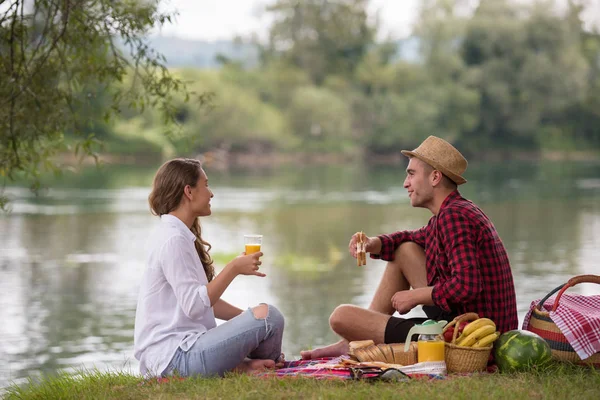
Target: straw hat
column 442, row 156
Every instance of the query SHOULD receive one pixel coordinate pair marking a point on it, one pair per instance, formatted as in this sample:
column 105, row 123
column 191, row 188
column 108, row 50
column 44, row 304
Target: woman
column 180, row 296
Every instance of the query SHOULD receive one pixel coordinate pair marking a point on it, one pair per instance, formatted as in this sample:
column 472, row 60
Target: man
column 455, row 264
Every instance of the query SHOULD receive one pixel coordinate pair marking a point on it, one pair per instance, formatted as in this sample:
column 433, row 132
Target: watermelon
column 520, row 350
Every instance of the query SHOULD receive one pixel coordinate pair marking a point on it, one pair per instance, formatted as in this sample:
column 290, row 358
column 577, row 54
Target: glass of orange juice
column 252, row 243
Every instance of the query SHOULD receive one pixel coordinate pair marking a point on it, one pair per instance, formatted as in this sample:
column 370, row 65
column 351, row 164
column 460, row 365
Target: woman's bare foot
column 333, row 350
column 249, row 366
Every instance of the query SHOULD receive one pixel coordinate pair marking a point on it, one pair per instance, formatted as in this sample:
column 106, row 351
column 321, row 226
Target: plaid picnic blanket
column 578, row 318
column 323, row 368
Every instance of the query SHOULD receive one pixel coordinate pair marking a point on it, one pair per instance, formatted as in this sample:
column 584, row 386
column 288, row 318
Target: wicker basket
column 541, row 324
column 461, row 358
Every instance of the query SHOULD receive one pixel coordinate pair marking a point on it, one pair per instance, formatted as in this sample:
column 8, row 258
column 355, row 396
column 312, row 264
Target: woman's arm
column 225, row 311
column 181, row 267
column 241, row 265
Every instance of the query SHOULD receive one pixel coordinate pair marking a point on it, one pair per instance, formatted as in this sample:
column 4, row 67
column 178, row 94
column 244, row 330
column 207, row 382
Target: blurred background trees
column 494, row 76
column 62, row 68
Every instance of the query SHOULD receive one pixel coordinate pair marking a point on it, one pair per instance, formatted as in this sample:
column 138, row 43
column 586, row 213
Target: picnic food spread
column 464, row 344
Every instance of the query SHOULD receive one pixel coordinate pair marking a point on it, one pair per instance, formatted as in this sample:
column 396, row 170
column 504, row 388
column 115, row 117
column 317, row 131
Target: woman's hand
column 247, row 264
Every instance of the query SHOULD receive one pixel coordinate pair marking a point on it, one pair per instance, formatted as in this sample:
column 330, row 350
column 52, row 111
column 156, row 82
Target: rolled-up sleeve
column 389, row 243
column 465, row 281
column 180, row 267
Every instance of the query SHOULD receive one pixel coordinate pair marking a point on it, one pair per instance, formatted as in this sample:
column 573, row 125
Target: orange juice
column 430, row 350
column 252, row 248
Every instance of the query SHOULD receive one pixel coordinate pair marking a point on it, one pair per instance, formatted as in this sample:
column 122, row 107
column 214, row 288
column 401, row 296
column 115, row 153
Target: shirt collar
column 455, row 195
column 177, row 223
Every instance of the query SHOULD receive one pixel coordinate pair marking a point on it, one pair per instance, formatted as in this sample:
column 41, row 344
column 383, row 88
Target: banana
column 478, row 323
column 481, row 332
column 487, row 340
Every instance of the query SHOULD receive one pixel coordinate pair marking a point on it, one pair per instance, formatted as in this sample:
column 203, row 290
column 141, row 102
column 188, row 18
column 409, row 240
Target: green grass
column 558, row 382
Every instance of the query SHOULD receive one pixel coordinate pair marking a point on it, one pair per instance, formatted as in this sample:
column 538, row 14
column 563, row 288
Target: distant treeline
column 507, row 77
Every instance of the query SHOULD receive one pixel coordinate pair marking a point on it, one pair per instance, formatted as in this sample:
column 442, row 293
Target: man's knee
column 409, row 250
column 339, row 317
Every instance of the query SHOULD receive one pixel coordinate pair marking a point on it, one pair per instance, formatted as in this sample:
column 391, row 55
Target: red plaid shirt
column 467, row 264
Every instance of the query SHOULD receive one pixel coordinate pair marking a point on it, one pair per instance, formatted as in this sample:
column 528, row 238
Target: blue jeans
column 225, row 347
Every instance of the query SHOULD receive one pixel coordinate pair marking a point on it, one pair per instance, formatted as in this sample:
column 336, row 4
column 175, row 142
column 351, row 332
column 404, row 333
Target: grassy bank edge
column 561, row 381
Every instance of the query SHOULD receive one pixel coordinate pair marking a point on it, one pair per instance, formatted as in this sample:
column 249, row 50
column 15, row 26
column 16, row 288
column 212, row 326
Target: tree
column 321, row 120
column 320, row 36
column 52, row 52
column 529, row 70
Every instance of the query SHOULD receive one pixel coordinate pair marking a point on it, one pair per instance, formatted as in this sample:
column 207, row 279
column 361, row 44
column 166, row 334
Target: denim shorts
column 225, row 347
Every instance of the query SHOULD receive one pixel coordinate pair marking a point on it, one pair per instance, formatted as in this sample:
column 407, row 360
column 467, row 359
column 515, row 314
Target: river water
column 71, row 257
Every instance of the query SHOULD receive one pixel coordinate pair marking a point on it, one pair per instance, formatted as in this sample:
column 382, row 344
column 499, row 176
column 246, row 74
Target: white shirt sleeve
column 183, row 270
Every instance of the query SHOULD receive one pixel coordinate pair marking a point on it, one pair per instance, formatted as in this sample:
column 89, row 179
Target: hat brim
column 459, row 180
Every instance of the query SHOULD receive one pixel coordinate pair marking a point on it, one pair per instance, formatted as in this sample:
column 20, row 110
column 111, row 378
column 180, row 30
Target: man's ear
column 436, row 177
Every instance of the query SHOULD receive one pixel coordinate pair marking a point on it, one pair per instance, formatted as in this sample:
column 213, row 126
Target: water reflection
column 70, row 259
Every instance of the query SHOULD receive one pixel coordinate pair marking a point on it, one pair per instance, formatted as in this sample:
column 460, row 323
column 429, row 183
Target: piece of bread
column 377, row 353
column 365, row 354
column 387, row 352
column 362, row 355
column 358, row 344
column 405, row 358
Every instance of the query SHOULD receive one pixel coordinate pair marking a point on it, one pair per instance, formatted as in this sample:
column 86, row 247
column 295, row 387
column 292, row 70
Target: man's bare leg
column 406, row 271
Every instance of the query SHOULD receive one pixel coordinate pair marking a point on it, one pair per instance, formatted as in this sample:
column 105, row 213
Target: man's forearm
column 423, row 296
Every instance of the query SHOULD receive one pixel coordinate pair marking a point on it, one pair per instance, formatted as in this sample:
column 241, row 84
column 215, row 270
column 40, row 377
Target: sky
column 224, row 19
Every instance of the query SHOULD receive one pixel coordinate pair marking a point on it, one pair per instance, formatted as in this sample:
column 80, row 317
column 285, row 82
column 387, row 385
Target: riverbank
column 557, row 382
column 258, row 159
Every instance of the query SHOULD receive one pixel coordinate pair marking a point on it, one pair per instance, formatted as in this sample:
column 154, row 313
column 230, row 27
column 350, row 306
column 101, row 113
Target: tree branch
column 39, row 65
column 7, row 12
column 13, row 75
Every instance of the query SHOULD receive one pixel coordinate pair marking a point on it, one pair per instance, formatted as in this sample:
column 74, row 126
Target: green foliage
column 509, row 76
column 319, row 36
column 60, row 72
column 527, row 71
column 237, row 119
column 320, row 119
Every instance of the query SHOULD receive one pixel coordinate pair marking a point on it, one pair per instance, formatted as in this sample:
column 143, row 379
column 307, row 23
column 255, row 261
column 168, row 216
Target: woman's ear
column 187, row 191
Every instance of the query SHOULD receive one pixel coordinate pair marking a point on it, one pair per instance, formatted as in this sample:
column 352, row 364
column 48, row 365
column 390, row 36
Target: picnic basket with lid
column 461, row 358
column 541, row 323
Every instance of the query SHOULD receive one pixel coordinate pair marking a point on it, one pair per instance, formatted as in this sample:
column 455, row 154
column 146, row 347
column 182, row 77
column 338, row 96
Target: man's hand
column 403, row 301
column 373, row 244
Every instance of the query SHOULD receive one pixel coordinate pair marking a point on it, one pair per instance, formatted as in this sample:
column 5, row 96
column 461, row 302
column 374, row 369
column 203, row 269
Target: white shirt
column 173, row 307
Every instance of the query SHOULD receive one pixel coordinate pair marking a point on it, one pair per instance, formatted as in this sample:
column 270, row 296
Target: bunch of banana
column 478, row 333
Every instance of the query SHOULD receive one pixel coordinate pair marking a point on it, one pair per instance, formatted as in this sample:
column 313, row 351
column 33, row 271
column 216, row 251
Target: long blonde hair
column 167, row 189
